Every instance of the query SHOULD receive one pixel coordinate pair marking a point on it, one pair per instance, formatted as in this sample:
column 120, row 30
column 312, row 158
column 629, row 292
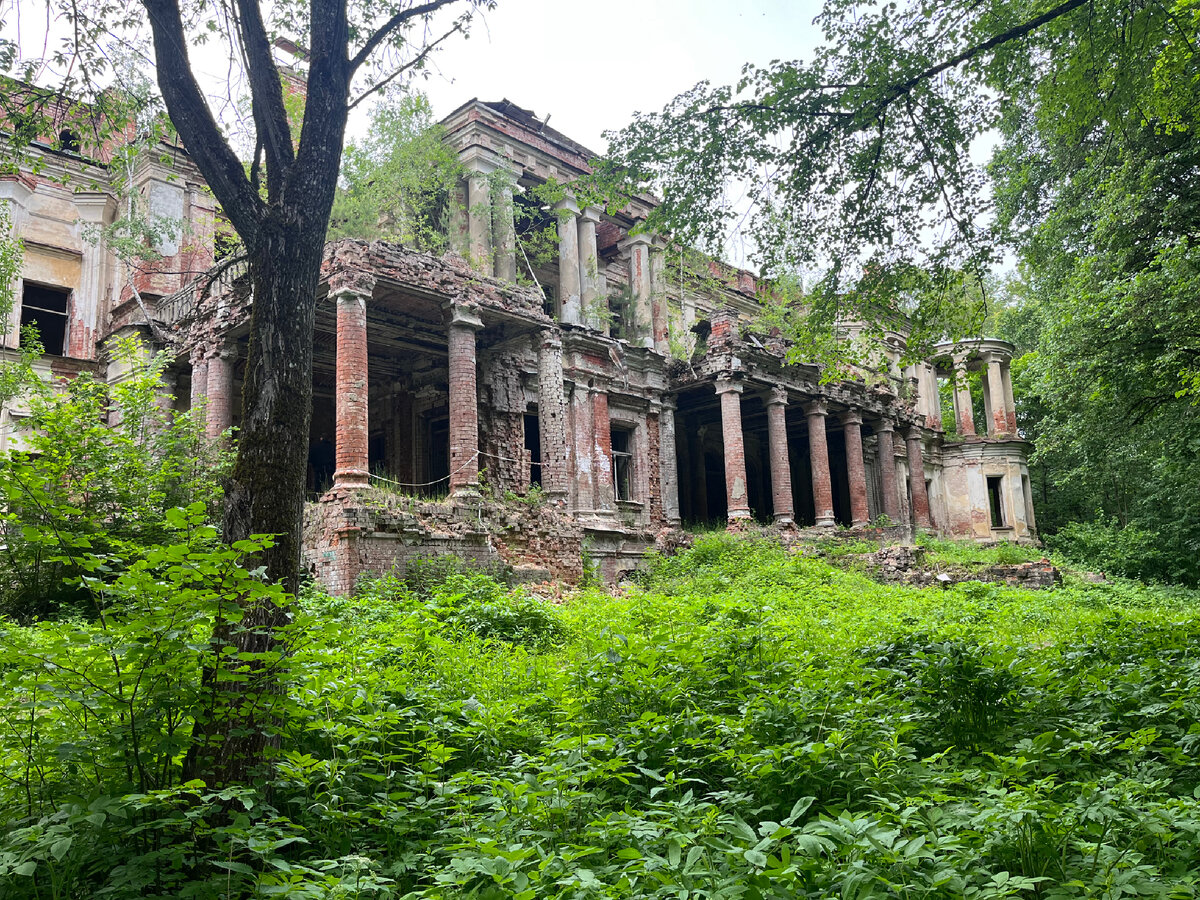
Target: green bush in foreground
column 745, row 724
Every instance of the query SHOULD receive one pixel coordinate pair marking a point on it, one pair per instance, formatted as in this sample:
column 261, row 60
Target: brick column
column 1010, row 406
column 777, row 450
column 998, row 421
column 964, row 412
column 589, row 267
column 570, row 311
column 916, row 479
column 737, row 503
column 464, row 400
column 887, row 470
column 856, row 470
column 219, row 413
column 199, row 380
column 668, row 463
column 350, row 444
column 602, row 452
column 818, row 450
column 552, row 412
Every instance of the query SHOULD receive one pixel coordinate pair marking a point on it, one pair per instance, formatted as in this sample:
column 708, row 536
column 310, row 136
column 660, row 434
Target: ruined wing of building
column 612, row 403
column 72, row 290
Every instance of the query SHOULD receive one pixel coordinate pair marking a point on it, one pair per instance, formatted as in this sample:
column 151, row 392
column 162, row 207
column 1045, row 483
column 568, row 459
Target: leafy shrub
column 424, row 575
column 967, row 693
column 85, row 487
column 1103, row 544
column 478, row 603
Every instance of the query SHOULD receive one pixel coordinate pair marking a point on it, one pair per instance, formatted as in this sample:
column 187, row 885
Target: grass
column 744, row 723
column 970, row 555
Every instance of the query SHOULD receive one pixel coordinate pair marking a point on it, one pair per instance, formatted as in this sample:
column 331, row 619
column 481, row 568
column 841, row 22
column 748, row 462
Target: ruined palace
column 500, row 408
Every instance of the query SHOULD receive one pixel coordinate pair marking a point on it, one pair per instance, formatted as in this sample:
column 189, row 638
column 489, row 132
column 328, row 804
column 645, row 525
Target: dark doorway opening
column 533, row 446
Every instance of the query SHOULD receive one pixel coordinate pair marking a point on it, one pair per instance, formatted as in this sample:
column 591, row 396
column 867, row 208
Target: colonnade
column 490, row 242
column 1000, row 411
column 817, row 413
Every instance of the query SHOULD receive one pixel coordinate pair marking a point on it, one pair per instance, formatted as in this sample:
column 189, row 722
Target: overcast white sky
column 590, row 66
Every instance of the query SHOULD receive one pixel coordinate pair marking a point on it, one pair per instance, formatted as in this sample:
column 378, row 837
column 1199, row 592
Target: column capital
column 912, row 433
column 348, row 281
column 224, row 350
column 725, row 385
column 590, row 214
column 778, row 396
column 641, row 239
column 481, row 161
column 465, row 316
column 884, row 425
column 507, row 176
column 549, row 340
column 816, row 408
column 347, row 295
column 95, row 207
column 567, row 205
column 851, row 417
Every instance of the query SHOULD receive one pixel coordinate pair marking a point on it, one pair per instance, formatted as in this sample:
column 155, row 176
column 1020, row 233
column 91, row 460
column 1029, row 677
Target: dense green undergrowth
column 744, row 723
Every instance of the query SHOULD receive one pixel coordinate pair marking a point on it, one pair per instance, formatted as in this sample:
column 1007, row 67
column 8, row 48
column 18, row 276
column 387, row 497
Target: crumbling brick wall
column 349, row 534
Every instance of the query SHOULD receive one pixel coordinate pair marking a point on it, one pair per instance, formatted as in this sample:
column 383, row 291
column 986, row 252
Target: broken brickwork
column 350, row 534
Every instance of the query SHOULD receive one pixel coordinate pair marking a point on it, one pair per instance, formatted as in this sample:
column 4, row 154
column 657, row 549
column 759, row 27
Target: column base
column 784, row 519
column 738, row 515
column 826, row 522
column 351, row 478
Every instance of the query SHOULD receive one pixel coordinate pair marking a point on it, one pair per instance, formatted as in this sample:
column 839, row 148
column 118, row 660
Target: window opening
column 616, row 317
column 533, row 444
column 68, row 141
column 45, row 309
column 994, row 483
column 622, row 463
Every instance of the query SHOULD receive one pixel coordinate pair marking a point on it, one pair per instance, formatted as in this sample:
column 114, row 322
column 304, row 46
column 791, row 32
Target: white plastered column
column 589, row 268
column 569, row 296
column 640, row 288
column 504, row 232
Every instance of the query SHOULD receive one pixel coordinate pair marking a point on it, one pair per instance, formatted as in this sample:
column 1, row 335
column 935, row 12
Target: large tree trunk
column 265, row 496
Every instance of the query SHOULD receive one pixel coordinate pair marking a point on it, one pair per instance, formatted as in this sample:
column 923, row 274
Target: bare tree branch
column 417, row 60
column 266, row 95
column 195, row 123
column 391, row 25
